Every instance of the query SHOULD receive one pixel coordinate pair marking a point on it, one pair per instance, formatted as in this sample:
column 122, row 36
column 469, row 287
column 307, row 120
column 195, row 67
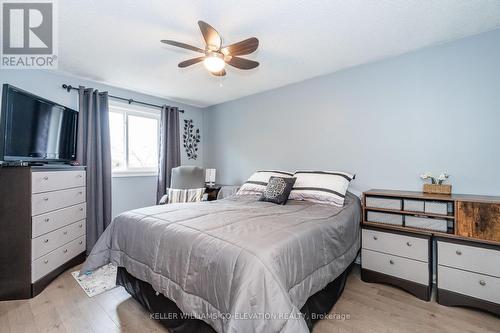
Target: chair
column 186, row 178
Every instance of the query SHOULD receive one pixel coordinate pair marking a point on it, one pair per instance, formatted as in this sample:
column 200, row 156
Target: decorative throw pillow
column 325, row 187
column 180, row 196
column 257, row 183
column 277, row 190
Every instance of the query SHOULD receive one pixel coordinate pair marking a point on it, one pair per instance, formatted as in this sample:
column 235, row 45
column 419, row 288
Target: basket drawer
column 391, row 243
column 386, row 203
column 403, row 268
column 386, row 218
column 470, row 258
column 426, row 223
column 471, row 284
column 414, row 205
column 436, row 207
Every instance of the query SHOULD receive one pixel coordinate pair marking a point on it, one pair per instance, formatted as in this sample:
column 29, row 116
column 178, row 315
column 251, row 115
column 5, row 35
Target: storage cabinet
column 43, row 226
column 465, row 230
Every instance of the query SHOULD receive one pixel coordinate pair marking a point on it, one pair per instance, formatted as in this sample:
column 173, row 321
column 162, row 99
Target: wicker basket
column 437, row 189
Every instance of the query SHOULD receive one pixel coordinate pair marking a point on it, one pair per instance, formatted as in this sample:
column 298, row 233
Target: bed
column 237, row 264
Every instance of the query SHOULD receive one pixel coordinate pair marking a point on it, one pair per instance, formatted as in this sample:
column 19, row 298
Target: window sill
column 126, row 174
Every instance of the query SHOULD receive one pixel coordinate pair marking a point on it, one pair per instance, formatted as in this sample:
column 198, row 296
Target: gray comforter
column 239, row 264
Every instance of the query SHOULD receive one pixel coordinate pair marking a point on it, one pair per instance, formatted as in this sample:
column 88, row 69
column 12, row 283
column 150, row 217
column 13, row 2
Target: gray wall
column 431, row 110
column 128, row 192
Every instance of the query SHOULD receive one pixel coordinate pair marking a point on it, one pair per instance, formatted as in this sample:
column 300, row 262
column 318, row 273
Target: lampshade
column 210, row 175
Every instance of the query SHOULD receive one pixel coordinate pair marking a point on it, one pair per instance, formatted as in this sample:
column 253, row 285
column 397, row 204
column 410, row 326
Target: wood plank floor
column 64, row 307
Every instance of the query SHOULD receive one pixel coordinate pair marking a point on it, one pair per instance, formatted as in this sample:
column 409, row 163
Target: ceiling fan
column 217, row 56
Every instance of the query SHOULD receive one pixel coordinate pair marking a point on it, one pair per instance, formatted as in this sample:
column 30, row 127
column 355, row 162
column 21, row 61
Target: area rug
column 98, row 281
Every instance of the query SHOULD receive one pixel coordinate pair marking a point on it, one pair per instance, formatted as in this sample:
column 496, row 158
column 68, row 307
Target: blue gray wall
column 431, row 110
column 128, row 192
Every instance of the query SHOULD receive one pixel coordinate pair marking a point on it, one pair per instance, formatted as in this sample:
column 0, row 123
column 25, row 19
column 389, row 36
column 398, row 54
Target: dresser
column 43, row 226
column 409, row 237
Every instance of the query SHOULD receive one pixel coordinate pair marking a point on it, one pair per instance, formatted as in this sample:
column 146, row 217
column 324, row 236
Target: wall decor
column 191, row 138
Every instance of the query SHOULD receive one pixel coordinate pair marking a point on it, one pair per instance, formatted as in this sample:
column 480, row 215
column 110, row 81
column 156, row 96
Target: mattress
column 238, row 264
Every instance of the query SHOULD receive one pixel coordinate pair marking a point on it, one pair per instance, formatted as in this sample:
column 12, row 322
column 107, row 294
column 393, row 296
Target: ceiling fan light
column 214, row 63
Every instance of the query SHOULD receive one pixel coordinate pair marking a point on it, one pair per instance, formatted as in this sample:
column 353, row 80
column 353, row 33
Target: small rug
column 98, row 281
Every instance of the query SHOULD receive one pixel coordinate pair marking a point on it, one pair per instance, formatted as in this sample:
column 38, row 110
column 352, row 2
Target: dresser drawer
column 49, row 201
column 471, row 284
column 56, row 258
column 57, row 219
column 54, row 239
column 386, row 218
column 400, row 245
column 403, row 268
column 470, row 258
column 56, row 180
column 386, row 203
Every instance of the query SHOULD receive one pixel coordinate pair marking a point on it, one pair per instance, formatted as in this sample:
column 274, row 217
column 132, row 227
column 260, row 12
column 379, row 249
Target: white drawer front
column 44, row 265
column 54, row 239
column 426, row 223
column 46, row 202
column 57, row 219
column 400, row 245
column 471, row 284
column 470, row 258
column 56, row 180
column 407, row 269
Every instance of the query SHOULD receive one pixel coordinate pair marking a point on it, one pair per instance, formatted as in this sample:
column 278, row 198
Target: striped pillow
column 188, row 195
column 257, row 183
column 325, row 187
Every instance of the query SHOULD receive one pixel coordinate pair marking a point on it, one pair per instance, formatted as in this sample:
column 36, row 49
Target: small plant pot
column 437, row 189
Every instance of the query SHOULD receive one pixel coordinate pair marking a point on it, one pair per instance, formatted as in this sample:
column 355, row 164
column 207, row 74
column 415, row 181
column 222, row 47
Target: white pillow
column 325, row 187
column 180, row 196
column 257, row 183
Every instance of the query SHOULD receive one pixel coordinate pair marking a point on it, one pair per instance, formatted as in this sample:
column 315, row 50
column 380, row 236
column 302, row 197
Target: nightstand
column 212, row 192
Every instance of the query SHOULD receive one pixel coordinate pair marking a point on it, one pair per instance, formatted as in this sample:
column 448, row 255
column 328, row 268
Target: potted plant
column 436, row 186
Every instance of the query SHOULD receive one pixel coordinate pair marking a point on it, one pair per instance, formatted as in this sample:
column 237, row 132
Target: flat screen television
column 34, row 129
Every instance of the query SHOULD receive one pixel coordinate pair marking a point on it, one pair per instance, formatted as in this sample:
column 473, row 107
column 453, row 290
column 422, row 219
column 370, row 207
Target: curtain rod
column 69, row 87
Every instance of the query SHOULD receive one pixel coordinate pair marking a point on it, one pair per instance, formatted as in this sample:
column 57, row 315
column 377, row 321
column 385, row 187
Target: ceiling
column 118, row 41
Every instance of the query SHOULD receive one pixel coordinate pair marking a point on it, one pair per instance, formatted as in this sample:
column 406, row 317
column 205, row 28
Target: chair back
column 187, row 177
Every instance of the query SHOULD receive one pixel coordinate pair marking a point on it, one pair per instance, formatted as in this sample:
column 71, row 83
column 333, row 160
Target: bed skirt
column 170, row 316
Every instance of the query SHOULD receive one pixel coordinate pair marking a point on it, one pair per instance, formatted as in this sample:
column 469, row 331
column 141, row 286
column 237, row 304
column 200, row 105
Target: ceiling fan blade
column 183, row 45
column 190, row 62
column 242, row 63
column 246, row 46
column 221, row 73
column 211, row 36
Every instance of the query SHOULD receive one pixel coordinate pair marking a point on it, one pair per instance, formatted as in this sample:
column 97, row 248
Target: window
column 134, row 135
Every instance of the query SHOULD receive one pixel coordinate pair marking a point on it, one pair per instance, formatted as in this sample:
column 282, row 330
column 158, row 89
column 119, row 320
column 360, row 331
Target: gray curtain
column 94, row 151
column 170, row 148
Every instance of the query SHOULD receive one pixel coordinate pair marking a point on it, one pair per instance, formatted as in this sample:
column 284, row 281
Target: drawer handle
column 46, row 240
column 482, row 282
column 47, row 219
column 78, row 176
column 45, row 199
column 65, row 232
column 45, row 261
column 80, row 242
column 81, row 209
column 80, row 193
column 391, row 262
column 81, row 225
column 46, row 178
column 458, row 252
column 408, row 243
column 65, row 250
column 375, row 237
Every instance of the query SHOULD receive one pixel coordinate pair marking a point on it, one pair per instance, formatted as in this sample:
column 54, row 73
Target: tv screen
column 35, row 129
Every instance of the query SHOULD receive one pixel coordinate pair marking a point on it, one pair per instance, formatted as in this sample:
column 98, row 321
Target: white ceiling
column 118, row 41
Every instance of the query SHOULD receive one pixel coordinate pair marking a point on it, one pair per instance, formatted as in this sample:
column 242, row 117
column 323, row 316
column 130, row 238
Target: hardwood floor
column 64, row 307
